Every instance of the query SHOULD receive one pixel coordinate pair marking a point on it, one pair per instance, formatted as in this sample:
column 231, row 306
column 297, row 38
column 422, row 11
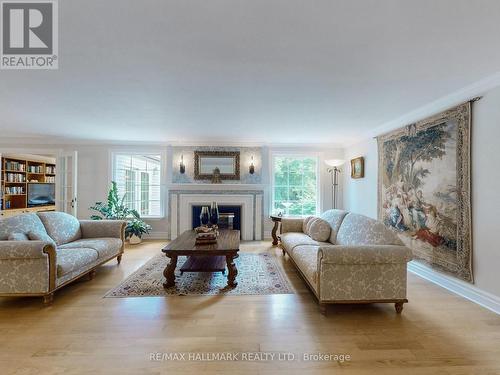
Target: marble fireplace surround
column 181, row 201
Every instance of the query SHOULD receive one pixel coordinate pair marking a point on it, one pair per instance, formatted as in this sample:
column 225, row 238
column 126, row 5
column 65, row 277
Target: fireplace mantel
column 217, row 187
column 249, row 197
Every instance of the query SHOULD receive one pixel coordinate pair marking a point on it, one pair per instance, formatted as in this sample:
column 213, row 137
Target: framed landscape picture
column 358, row 167
column 424, row 189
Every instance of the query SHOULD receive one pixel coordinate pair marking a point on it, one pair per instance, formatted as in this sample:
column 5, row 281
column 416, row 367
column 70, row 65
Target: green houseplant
column 135, row 229
column 115, row 209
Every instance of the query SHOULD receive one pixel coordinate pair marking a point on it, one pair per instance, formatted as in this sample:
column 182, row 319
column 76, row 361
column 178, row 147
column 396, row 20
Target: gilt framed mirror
column 228, row 163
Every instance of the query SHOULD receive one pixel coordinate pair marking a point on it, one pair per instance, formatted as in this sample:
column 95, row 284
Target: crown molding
column 17, row 141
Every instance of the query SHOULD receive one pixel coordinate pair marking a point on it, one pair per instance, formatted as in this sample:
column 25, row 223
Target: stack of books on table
column 206, row 236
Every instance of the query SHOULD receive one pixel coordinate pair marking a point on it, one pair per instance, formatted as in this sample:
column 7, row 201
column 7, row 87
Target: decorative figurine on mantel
column 216, row 176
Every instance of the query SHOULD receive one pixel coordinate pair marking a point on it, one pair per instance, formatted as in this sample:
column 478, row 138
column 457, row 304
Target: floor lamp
column 334, row 170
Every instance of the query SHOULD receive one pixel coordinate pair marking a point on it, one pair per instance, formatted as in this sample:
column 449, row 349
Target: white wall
column 94, row 173
column 361, row 195
column 485, row 187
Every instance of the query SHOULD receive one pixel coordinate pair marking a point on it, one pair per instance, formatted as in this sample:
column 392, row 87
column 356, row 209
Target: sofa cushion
column 20, row 224
column 41, row 236
column 18, row 236
column 306, row 258
column 361, row 230
column 293, row 239
column 291, row 224
column 334, row 218
column 70, row 260
column 62, row 227
column 105, row 247
column 319, row 229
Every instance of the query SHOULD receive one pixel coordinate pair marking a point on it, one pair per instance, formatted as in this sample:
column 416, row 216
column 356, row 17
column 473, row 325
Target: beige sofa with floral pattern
column 42, row 252
column 356, row 260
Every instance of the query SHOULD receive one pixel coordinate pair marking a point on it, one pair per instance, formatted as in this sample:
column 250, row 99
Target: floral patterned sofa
column 353, row 258
column 42, row 252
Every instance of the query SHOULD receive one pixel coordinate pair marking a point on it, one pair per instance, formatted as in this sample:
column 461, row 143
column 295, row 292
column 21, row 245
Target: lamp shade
column 334, row 162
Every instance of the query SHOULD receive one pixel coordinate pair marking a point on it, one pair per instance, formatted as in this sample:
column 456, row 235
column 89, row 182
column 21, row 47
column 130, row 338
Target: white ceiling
column 271, row 71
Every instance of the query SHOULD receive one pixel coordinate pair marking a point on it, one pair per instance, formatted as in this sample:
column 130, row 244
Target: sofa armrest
column 25, row 249
column 364, row 254
column 103, row 228
column 291, row 225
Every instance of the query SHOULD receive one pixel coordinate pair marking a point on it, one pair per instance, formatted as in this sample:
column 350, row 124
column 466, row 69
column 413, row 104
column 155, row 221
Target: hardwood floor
column 437, row 333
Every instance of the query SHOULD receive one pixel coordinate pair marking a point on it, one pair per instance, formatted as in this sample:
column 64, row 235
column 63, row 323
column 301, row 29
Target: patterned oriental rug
column 257, row 274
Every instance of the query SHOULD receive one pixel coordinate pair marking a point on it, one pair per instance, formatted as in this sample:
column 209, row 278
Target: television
column 41, row 194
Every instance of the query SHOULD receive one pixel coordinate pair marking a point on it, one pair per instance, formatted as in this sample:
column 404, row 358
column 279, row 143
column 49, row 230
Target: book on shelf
column 50, row 169
column 14, row 190
column 15, row 177
column 35, row 169
column 15, row 166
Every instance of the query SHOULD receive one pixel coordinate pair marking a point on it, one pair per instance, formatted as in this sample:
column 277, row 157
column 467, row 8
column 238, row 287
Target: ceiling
column 270, row 71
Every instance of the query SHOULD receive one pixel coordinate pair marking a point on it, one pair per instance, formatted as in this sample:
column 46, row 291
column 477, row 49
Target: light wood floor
column 438, row 332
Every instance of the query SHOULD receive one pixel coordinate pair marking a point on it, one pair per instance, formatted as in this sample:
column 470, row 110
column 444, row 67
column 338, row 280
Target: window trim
column 163, row 175
column 314, row 155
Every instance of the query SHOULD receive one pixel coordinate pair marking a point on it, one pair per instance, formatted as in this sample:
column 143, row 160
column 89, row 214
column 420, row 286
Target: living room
column 249, row 187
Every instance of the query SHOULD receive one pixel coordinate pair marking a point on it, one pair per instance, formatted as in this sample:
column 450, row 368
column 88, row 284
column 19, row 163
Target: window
column 138, row 177
column 295, row 185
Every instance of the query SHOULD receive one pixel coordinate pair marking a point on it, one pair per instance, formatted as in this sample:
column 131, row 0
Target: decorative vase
column 134, row 240
column 214, row 214
column 204, row 216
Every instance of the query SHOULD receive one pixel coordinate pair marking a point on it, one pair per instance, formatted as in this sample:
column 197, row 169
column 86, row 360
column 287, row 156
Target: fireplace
column 247, row 206
column 229, row 216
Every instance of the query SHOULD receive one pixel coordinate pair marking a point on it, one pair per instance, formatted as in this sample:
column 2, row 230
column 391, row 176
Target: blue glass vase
column 204, row 216
column 214, row 214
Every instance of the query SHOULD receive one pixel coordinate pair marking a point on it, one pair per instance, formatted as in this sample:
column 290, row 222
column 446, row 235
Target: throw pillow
column 319, row 230
column 38, row 236
column 305, row 223
column 60, row 226
column 18, row 236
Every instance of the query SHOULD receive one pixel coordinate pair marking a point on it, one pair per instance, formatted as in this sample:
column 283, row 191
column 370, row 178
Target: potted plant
column 114, row 209
column 135, row 229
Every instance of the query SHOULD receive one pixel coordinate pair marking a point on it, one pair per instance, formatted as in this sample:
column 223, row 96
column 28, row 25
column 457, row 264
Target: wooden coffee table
column 203, row 258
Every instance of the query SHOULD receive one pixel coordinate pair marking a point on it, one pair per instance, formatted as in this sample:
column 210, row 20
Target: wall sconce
column 182, row 167
column 251, row 169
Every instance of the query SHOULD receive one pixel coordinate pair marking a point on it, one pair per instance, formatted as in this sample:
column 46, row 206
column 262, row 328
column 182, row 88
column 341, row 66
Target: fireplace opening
column 229, row 217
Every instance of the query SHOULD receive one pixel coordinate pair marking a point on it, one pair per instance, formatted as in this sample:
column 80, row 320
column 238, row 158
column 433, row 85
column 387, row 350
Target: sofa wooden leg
column 48, row 299
column 399, row 307
column 119, row 258
column 91, row 274
column 322, row 308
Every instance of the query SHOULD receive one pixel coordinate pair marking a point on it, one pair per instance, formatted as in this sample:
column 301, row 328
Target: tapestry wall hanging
column 424, row 189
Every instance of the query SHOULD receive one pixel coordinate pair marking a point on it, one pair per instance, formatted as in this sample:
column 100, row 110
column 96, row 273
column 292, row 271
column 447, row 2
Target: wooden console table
column 277, row 220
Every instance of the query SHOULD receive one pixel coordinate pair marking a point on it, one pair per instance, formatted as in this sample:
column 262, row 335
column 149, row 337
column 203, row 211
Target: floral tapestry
column 424, row 189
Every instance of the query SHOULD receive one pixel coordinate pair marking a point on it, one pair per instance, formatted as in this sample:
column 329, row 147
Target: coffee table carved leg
column 232, row 271
column 169, row 272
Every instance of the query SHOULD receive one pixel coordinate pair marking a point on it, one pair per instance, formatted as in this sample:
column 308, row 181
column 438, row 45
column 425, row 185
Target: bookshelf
column 16, row 175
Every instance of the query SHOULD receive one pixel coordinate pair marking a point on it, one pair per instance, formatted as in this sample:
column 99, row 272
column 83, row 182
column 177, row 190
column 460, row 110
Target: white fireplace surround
column 182, row 202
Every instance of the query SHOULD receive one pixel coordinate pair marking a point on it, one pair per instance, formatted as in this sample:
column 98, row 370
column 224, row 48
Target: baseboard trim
column 157, row 236
column 469, row 291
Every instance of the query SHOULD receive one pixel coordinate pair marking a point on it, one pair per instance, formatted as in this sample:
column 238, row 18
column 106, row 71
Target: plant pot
column 134, row 240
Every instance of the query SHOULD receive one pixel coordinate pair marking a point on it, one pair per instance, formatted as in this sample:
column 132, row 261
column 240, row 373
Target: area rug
column 257, row 274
